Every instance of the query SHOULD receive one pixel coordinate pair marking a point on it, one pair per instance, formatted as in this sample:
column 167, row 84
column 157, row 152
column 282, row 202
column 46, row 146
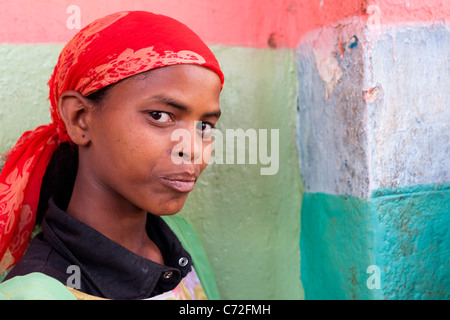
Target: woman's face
column 132, row 155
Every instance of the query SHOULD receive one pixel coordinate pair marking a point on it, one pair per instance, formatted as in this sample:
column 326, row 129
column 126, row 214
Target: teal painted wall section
column 335, row 237
column 412, row 241
column 248, row 223
column 405, row 232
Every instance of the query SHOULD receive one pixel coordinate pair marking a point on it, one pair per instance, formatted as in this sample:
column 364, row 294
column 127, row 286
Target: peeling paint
column 329, row 71
column 324, row 48
column 332, row 136
column 353, row 42
column 330, row 45
column 373, row 94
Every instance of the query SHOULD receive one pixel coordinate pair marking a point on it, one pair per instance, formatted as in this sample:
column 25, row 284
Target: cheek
column 135, row 150
column 140, row 139
column 207, row 153
column 147, row 150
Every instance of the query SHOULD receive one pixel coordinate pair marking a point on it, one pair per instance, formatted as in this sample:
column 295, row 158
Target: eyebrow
column 178, row 105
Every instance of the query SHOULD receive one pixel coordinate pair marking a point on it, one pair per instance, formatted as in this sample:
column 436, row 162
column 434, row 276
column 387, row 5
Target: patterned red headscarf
column 107, row 50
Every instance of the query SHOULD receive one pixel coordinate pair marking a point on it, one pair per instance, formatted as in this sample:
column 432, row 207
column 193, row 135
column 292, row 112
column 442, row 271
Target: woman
column 120, row 88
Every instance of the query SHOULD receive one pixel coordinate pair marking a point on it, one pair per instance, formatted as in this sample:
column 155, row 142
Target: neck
column 113, row 216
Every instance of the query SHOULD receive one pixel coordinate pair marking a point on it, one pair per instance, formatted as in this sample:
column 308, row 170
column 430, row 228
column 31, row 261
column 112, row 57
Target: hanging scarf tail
column 20, row 183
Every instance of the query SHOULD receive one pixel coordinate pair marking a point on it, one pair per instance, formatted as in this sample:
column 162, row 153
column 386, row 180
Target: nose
column 189, row 147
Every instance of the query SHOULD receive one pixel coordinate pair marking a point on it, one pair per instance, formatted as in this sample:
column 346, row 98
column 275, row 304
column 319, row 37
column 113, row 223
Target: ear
column 74, row 110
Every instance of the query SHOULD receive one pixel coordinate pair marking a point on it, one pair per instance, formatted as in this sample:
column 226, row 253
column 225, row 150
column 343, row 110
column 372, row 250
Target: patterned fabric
column 189, row 288
column 108, row 50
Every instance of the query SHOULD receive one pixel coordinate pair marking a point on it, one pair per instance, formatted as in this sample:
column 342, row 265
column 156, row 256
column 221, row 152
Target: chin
column 168, row 208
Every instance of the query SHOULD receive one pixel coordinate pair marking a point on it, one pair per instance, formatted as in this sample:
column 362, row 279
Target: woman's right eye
column 160, row 116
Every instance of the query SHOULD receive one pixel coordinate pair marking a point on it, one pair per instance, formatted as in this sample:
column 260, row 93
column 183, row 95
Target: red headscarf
column 109, row 49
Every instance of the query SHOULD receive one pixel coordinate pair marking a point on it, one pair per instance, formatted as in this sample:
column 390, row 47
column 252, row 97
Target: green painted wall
column 24, row 72
column 249, row 223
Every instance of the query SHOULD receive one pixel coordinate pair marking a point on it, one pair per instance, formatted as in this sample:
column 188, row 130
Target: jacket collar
column 113, row 270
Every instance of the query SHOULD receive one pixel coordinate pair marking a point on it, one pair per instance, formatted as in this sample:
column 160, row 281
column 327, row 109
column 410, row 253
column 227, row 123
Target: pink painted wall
column 404, row 11
column 249, row 23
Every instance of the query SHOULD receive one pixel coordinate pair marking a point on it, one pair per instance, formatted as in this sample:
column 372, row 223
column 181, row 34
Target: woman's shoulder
column 39, row 257
column 36, row 275
column 34, row 286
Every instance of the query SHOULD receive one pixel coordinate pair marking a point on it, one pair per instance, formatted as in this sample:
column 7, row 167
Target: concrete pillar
column 374, row 128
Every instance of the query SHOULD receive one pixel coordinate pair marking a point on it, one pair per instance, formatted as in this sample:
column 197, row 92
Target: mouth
column 183, row 182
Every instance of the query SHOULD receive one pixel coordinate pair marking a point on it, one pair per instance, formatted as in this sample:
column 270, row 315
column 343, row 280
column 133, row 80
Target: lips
column 183, row 182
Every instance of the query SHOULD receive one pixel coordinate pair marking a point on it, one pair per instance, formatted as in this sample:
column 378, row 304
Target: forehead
column 195, row 88
column 180, row 81
column 181, row 75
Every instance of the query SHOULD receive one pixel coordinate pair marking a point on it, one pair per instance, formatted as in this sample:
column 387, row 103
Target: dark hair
column 59, row 179
column 2, row 162
column 98, row 96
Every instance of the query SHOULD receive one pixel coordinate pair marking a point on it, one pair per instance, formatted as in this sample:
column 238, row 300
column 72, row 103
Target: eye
column 160, row 116
column 206, row 129
column 207, row 126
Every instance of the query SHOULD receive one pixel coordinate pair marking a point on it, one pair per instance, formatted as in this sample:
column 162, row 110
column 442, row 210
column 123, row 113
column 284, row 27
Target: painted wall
column 359, row 208
column 374, row 128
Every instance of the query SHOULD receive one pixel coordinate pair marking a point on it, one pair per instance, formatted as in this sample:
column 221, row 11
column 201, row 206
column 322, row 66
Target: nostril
column 180, row 154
